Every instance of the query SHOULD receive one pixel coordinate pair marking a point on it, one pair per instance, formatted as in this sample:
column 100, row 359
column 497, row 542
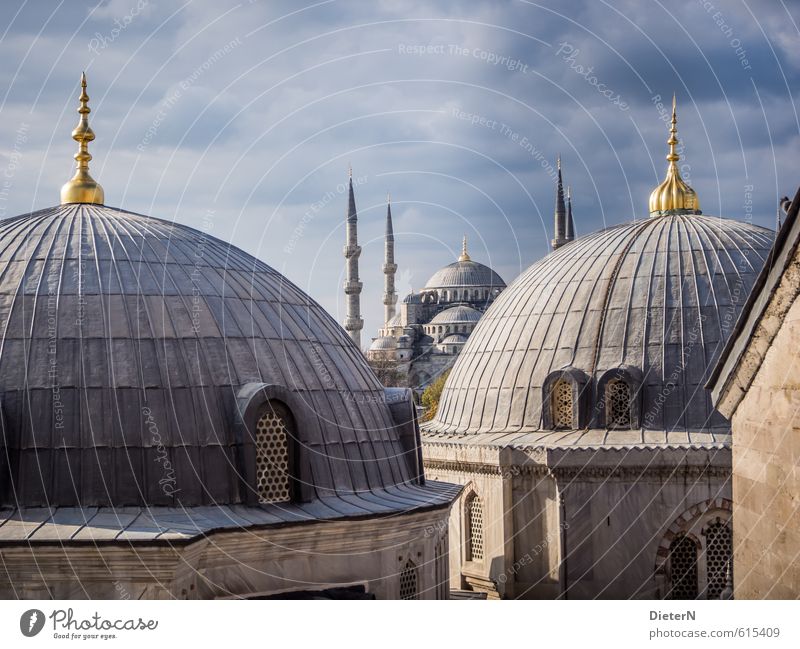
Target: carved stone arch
column 578, row 383
column 611, row 385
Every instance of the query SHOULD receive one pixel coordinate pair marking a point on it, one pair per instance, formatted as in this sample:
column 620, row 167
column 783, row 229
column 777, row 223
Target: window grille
column 474, row 529
column 618, row 404
column 561, row 404
column 683, row 568
column 272, row 459
column 409, row 581
column 441, row 568
column 718, row 557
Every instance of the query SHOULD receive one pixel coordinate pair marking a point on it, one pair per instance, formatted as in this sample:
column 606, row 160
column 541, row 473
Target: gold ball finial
column 673, row 196
column 82, row 188
column 464, row 254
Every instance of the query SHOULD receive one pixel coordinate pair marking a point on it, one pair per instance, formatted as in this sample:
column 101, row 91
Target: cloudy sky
column 243, row 117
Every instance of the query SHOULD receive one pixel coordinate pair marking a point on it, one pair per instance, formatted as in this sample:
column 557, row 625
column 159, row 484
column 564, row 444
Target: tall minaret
column 570, row 222
column 560, row 225
column 353, row 322
column 389, row 267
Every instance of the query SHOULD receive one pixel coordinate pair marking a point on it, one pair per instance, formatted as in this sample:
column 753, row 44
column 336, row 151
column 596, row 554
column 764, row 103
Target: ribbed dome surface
column 465, row 273
column 382, row 343
column 660, row 295
column 457, row 314
column 124, row 342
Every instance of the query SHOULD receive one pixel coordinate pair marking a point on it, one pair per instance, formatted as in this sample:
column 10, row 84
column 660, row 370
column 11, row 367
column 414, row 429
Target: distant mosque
column 426, row 336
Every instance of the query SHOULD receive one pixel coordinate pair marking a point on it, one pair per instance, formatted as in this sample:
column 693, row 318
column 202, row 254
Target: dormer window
column 273, row 455
column 562, row 405
column 564, row 400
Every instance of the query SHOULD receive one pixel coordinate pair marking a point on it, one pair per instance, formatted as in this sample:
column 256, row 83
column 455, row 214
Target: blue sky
column 245, row 116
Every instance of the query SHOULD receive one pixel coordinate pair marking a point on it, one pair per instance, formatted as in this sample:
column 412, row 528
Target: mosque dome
column 651, row 300
column 383, row 343
column 465, row 273
column 456, row 315
column 135, row 350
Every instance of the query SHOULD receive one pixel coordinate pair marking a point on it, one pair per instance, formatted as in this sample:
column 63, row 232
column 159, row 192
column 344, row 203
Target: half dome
column 456, row 314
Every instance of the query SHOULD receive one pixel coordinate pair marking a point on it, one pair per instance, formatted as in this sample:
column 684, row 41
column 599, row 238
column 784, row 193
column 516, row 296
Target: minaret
column 389, row 267
column 570, row 222
column 560, row 225
column 353, row 322
column 82, row 188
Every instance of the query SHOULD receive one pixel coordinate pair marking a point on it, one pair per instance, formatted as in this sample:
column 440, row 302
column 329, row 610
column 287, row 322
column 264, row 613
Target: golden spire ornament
column 464, row 254
column 82, row 188
column 673, row 196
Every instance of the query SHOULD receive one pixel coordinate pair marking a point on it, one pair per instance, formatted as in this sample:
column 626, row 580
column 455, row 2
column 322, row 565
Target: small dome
column 457, row 314
column 412, row 298
column 383, row 343
column 465, row 274
column 453, row 339
column 395, row 321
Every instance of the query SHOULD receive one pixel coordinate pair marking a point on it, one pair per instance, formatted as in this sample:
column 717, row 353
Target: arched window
column 273, row 475
column 618, row 404
column 409, row 581
column 719, row 546
column 474, row 522
column 562, row 404
column 683, row 568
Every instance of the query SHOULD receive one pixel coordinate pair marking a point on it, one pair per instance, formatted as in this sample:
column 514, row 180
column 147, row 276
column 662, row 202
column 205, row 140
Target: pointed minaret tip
column 82, row 188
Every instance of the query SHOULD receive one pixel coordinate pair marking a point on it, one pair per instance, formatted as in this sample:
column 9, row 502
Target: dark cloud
column 253, row 112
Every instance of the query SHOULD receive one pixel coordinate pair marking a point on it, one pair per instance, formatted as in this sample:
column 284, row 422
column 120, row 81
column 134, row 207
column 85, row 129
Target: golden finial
column 388, row 197
column 350, row 171
column 558, row 162
column 673, row 196
column 82, row 188
column 464, row 254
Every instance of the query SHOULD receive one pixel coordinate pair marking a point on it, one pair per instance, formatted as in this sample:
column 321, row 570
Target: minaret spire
column 570, row 222
column 82, row 188
column 353, row 322
column 389, row 267
column 560, row 217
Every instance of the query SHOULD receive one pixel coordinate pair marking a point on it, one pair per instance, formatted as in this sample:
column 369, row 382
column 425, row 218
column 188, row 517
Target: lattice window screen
column 409, row 581
column 475, row 531
column 719, row 546
column 441, row 568
column 562, row 404
column 272, row 459
column 618, row 404
column 683, row 568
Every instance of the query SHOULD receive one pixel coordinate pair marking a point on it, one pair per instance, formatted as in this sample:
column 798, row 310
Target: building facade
column 593, row 462
column 756, row 384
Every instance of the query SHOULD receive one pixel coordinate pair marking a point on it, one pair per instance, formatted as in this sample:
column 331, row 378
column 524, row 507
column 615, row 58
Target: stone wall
column 766, row 473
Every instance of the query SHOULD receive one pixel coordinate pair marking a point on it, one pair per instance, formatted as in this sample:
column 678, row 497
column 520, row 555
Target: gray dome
column 383, row 343
column 395, row 321
column 465, row 273
column 126, row 342
column 655, row 298
column 457, row 314
column 453, row 339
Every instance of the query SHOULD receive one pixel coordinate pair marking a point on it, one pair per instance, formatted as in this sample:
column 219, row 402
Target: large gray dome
column 126, row 342
column 655, row 299
column 465, row 274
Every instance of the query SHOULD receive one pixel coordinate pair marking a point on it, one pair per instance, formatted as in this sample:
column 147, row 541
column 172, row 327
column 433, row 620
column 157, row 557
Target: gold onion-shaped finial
column 82, row 188
column 673, row 196
column 464, row 254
